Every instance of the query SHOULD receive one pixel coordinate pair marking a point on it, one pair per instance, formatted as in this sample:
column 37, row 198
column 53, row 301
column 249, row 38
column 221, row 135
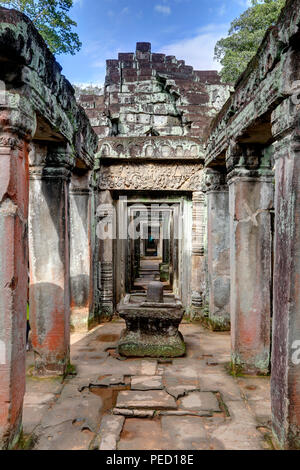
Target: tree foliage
column 244, row 37
column 51, row 19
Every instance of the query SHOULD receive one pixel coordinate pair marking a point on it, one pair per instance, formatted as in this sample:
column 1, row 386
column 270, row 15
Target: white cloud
column 198, row 51
column 221, row 10
column 95, row 83
column 164, row 9
column 244, row 3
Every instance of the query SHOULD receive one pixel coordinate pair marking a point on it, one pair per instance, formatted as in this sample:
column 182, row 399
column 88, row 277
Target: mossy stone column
column 14, row 149
column 251, row 194
column 218, row 249
column 285, row 380
column 81, row 248
column 50, row 258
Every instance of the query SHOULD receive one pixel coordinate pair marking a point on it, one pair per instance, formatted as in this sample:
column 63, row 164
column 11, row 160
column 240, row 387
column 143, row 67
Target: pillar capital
column 81, row 183
column 17, row 117
column 214, row 180
column 288, row 146
column 51, row 161
column 199, row 197
column 248, row 161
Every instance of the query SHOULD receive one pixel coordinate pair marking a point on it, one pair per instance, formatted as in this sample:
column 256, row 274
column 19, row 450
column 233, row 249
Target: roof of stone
column 37, row 76
column 261, row 87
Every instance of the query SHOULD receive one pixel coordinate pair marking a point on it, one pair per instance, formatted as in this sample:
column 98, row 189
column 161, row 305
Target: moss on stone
column 134, row 345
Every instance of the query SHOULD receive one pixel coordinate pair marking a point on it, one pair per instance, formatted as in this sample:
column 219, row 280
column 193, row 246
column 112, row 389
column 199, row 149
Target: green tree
column 51, row 19
column 244, row 37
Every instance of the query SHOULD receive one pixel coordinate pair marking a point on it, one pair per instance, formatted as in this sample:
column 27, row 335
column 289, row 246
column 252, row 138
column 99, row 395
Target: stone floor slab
column 184, row 433
column 200, row 401
column 178, row 391
column 146, row 382
column 148, row 367
column 142, row 434
column 154, row 400
column 63, row 418
column 65, row 436
column 134, row 413
column 110, row 430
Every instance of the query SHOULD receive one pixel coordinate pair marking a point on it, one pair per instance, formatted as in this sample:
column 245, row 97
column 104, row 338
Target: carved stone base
column 219, row 323
column 151, row 327
column 137, row 344
column 105, row 312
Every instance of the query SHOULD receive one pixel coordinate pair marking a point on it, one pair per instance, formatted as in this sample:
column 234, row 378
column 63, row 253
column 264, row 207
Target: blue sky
column 187, row 29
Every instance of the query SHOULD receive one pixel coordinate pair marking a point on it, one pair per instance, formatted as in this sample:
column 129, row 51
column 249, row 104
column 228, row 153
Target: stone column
column 106, row 233
column 198, row 261
column 218, row 250
column 13, row 282
column 49, row 258
column 121, row 249
column 251, row 201
column 81, row 251
column 285, row 381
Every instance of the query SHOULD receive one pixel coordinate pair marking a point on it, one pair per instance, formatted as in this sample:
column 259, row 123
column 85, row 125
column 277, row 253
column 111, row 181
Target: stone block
column 146, row 383
column 110, row 430
column 200, row 401
column 153, row 400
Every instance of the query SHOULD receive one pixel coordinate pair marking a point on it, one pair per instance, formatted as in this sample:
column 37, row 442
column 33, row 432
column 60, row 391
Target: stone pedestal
column 285, row 380
column 151, row 324
column 49, row 258
column 81, row 252
column 251, row 202
column 218, row 250
column 13, row 283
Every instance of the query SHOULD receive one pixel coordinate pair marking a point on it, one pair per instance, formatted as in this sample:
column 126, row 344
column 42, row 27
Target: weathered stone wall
column 149, row 93
column 258, row 125
column 151, row 121
column 44, row 135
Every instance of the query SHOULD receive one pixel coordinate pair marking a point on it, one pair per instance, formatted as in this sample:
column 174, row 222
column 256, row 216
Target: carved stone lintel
column 151, row 176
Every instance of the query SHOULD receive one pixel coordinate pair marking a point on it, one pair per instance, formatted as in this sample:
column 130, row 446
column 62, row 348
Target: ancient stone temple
column 152, row 122
column 170, row 191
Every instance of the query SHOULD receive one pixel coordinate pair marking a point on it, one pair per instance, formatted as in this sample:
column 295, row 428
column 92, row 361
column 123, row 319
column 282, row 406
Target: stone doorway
column 153, row 253
column 158, row 244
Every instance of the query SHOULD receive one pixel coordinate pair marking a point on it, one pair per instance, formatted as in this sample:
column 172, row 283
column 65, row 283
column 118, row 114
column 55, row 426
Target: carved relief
column 214, row 181
column 150, row 176
column 9, row 141
column 151, row 147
